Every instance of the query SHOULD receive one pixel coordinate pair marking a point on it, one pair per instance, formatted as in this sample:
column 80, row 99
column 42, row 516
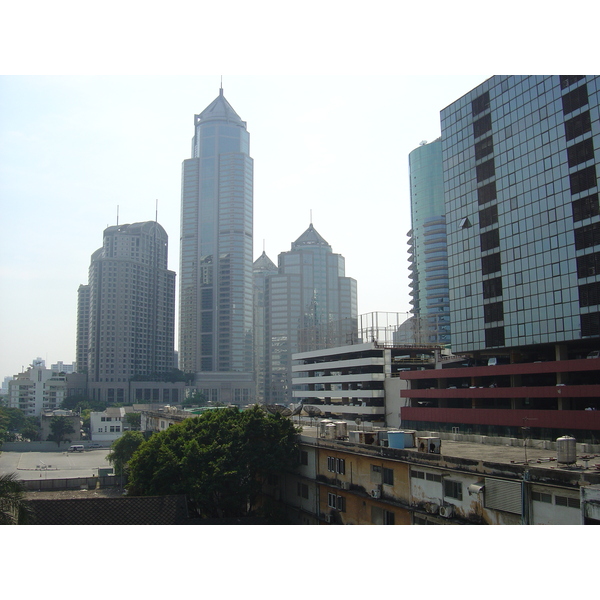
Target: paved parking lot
column 53, row 465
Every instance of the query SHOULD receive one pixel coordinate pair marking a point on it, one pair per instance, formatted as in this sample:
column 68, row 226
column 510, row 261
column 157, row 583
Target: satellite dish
column 357, row 421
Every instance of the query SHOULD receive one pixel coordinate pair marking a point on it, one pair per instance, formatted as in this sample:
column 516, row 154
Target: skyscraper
column 520, row 159
column 131, row 309
column 215, row 340
column 428, row 253
column 310, row 304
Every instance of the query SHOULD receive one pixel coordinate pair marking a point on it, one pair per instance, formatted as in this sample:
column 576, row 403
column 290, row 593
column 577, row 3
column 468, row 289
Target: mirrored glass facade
column 521, row 195
column 310, row 305
column 427, row 247
column 215, row 335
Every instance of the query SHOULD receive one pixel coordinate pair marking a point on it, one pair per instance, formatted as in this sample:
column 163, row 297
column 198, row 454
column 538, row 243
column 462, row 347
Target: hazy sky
column 73, row 149
column 335, row 97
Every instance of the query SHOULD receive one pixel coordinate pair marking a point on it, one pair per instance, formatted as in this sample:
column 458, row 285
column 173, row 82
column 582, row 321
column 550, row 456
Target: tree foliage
column 123, row 448
column 219, row 459
column 59, row 428
column 14, row 509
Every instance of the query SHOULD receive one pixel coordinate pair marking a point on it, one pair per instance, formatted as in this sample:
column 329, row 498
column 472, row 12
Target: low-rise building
column 73, row 418
column 108, row 425
column 424, row 478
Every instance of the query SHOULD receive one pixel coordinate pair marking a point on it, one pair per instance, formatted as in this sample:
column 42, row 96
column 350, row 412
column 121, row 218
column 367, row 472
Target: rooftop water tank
column 566, row 450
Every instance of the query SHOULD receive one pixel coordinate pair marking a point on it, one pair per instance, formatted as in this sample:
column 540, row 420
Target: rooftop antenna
column 263, row 246
column 156, row 212
column 221, row 88
column 311, row 216
column 117, row 215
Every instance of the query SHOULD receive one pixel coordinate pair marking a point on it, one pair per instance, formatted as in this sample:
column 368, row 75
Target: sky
column 78, row 152
column 96, row 117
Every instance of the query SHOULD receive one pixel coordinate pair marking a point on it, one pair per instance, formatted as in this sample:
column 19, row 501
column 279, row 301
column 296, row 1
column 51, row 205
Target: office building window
column 488, row 216
column 584, row 208
column 485, row 170
column 480, row 103
column 486, row 193
column 492, row 288
column 575, row 99
column 567, row 80
column 590, row 324
column 490, row 263
column 578, row 125
column 493, row 312
column 388, row 476
column 482, row 126
column 580, row 153
column 483, row 148
column 589, row 294
column 587, row 236
column 494, row 337
column 588, row 265
column 489, row 240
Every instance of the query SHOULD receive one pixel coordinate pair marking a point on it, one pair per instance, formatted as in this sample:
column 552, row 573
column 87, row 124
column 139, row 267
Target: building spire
column 221, row 88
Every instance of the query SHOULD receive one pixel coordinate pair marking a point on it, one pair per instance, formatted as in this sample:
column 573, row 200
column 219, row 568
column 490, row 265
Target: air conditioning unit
column 376, row 493
column 345, row 485
column 447, row 511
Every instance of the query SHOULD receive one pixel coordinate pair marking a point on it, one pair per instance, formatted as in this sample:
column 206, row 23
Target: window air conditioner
column 447, row 511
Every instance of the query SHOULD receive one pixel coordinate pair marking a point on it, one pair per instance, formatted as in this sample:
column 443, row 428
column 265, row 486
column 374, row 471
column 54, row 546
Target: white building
column 37, row 389
column 107, row 426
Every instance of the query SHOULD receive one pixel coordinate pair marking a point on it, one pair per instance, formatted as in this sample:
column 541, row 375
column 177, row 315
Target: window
column 584, row 208
column 483, row 148
column 480, row 103
column 389, row 518
column 565, row 501
column 486, row 193
column 417, row 474
column 567, row 80
column 488, row 216
column 303, row 490
column 388, row 476
column 453, row 489
column 587, row 236
column 494, row 337
column 433, row 477
column 482, row 126
column 493, row 312
column 303, row 457
column 540, row 497
column 590, row 324
column 578, row 126
column 589, row 294
column 336, row 465
column 490, row 263
column 485, row 170
column 588, row 265
column 580, row 153
column 575, row 99
column 376, row 474
column 492, row 288
column 583, row 180
column 489, row 240
column 336, row 502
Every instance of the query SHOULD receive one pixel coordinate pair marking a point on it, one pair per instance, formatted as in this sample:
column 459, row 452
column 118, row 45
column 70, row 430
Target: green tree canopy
column 218, row 459
column 59, row 428
column 123, row 448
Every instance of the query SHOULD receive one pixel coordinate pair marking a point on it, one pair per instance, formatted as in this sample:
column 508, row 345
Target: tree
column 60, row 427
column 219, row 459
column 123, row 448
column 14, row 509
column 134, row 420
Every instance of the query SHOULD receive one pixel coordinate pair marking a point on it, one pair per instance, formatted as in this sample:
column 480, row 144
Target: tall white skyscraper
column 215, row 339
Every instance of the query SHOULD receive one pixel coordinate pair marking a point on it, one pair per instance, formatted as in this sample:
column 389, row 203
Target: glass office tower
column 520, row 177
column 215, row 330
column 310, row 305
column 428, row 255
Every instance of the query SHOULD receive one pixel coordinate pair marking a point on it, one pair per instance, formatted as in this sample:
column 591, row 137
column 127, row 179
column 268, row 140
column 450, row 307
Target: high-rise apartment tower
column 215, row 340
column 131, row 310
